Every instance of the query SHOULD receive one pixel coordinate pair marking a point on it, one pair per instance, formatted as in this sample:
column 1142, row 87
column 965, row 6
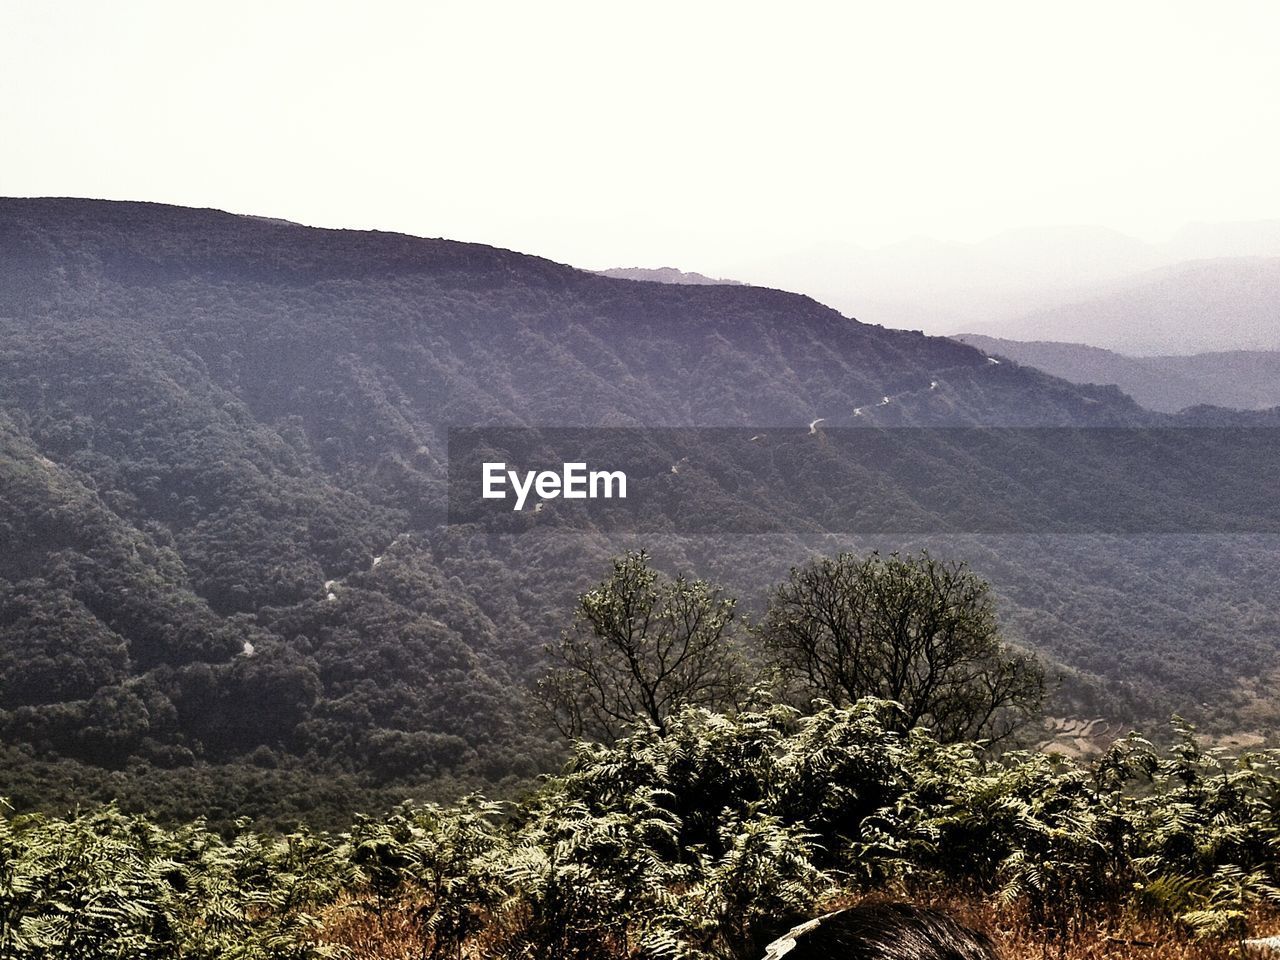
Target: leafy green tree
column 914, row 630
column 642, row 646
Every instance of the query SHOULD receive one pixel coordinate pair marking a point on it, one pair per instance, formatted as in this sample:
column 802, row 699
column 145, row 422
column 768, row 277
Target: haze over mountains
column 1025, row 284
column 1241, row 379
column 664, row 275
column 223, row 444
column 1194, row 307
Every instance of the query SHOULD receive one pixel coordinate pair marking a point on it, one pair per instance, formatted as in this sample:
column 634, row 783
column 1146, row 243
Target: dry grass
column 1120, row 937
column 395, row 933
column 366, row 934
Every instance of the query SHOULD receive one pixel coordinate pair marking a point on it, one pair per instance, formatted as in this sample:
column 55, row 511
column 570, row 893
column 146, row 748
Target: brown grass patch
column 396, row 933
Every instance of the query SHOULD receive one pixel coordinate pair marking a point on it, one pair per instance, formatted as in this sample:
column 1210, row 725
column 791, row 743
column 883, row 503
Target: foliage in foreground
column 702, row 843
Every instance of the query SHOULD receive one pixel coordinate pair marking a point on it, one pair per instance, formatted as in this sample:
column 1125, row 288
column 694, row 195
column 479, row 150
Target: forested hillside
column 225, row 568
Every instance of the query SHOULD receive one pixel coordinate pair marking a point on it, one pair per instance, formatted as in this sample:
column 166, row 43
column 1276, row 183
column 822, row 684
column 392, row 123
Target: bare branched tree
column 641, row 647
column 913, row 630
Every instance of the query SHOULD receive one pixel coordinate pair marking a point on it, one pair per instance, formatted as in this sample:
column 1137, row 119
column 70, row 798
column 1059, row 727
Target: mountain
column 663, row 275
column 943, row 287
column 1240, row 379
column 1194, row 307
column 229, row 575
column 922, row 283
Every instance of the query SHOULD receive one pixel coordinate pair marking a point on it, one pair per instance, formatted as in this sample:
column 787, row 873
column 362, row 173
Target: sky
column 701, row 135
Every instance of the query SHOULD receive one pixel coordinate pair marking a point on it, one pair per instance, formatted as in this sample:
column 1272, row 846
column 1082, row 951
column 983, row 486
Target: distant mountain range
column 665, row 275
column 1242, row 379
column 1024, row 284
column 1193, row 307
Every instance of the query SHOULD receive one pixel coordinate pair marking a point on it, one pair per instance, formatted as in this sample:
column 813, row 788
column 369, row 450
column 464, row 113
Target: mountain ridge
column 1240, row 379
column 1195, row 306
column 665, row 275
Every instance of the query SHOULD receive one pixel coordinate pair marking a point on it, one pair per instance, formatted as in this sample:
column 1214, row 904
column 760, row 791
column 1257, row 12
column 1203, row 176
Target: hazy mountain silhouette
column 664, row 275
column 944, row 287
column 1194, row 307
column 1246, row 380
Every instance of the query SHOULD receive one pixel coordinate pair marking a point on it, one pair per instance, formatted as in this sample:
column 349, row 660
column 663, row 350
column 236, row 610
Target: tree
column 640, row 647
column 913, row 630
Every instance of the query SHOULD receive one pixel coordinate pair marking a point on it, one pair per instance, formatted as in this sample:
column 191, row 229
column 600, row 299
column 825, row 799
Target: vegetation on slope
column 224, row 563
column 703, row 842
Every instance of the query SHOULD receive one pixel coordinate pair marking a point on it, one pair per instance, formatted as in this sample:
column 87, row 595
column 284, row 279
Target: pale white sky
column 704, row 135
